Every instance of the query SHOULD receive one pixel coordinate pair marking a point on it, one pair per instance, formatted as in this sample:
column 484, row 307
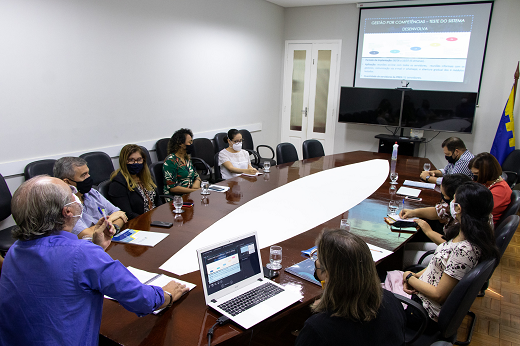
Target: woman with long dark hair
column 353, row 309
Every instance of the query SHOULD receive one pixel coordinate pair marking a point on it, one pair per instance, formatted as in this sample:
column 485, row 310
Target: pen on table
column 376, row 250
column 403, row 203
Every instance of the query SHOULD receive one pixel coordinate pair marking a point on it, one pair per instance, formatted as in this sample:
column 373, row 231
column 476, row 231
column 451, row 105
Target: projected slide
column 433, row 48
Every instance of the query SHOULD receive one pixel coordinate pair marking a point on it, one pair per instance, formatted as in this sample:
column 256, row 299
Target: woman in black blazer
column 132, row 188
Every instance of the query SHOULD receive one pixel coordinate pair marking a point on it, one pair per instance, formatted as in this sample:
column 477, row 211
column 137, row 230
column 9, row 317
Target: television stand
column 407, row 146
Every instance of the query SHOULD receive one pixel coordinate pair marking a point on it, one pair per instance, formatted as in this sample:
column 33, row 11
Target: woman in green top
column 179, row 174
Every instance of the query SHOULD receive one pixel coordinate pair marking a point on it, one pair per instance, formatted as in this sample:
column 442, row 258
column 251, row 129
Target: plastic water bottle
column 394, row 157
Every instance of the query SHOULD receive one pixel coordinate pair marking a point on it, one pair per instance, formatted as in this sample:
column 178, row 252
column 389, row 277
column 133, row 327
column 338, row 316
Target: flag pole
column 517, row 74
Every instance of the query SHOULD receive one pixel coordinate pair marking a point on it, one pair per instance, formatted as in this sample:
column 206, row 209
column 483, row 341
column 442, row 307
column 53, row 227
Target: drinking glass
column 344, row 224
column 205, row 187
column 275, row 257
column 427, row 167
column 267, row 166
column 392, row 190
column 177, row 203
column 393, row 206
column 393, row 178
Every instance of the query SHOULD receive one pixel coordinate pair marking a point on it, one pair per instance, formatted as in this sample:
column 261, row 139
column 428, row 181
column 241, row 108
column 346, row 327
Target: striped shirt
column 461, row 166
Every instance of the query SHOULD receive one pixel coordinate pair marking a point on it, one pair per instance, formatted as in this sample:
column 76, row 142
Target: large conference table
column 188, row 320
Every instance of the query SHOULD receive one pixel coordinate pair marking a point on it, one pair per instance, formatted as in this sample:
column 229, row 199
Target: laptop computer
column 234, row 283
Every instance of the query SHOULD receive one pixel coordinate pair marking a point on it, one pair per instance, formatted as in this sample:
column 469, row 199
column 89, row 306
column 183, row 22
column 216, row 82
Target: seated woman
column 487, row 171
column 356, row 309
column 179, row 174
column 469, row 241
column 233, row 160
column 438, row 215
column 132, row 188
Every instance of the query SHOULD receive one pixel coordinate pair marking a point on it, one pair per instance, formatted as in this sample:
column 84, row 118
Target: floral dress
column 177, row 173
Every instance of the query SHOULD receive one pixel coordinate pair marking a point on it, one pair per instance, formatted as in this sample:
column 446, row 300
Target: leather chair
column 286, row 152
column 511, row 168
column 505, row 232
column 204, row 149
column 38, row 168
column 455, row 308
column 100, row 166
column 218, row 140
column 156, row 171
column 218, row 173
column 248, row 145
column 312, row 148
column 512, row 208
column 161, row 148
column 148, row 157
column 5, row 211
column 103, row 188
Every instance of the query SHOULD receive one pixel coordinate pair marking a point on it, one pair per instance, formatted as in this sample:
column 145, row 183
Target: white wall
column 503, row 52
column 78, row 75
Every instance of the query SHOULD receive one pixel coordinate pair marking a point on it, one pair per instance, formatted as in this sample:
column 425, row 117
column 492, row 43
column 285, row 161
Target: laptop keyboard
column 249, row 299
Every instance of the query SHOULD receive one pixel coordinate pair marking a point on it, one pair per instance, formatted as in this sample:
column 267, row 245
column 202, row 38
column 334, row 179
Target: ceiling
column 298, row 3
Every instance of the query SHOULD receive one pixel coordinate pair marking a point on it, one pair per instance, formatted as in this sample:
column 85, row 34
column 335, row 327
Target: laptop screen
column 231, row 263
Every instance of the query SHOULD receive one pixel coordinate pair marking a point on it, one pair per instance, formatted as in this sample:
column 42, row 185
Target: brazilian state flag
column 504, row 142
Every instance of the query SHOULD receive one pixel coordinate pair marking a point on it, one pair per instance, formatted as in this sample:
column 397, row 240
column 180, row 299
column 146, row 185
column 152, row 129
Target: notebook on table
column 234, row 283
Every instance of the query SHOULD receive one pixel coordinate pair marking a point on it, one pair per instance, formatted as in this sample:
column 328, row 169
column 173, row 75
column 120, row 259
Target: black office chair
column 455, row 308
column 219, row 141
column 512, row 208
column 505, row 232
column 248, row 145
column 218, row 173
column 6, row 240
column 286, row 152
column 161, row 148
column 156, row 171
column 103, row 188
column 511, row 168
column 38, row 168
column 100, row 166
column 204, row 150
column 312, row 148
column 148, row 157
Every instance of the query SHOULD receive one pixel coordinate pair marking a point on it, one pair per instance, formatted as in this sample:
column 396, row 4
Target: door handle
column 304, row 112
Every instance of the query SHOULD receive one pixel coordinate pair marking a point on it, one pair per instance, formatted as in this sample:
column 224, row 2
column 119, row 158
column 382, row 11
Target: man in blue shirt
column 74, row 171
column 458, row 158
column 52, row 283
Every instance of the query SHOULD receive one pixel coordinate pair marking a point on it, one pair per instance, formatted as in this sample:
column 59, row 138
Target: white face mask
column 452, row 209
column 237, row 146
column 80, row 204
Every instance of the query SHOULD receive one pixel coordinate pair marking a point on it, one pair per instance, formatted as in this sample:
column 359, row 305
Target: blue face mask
column 134, row 168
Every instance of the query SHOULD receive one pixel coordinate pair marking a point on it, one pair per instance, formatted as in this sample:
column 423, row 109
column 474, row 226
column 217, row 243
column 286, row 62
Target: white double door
column 310, row 93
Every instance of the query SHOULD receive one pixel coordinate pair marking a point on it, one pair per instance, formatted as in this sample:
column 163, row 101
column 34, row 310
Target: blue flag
column 504, row 142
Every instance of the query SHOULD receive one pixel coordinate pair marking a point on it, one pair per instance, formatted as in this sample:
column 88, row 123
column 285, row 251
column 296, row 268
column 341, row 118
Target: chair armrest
column 426, row 254
column 265, row 146
column 256, row 156
column 421, row 312
column 511, row 178
column 198, row 161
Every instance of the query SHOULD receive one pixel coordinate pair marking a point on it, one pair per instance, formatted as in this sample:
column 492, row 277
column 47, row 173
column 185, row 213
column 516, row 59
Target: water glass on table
column 393, row 177
column 393, row 206
column 427, row 167
column 275, row 258
column 344, row 224
column 204, row 185
column 267, row 166
column 177, row 203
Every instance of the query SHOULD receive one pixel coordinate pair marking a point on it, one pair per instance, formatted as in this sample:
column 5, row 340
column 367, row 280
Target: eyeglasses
column 132, row 161
column 237, row 141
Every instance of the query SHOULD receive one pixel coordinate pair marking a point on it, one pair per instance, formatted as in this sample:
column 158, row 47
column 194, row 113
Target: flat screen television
column 370, row 106
column 439, row 110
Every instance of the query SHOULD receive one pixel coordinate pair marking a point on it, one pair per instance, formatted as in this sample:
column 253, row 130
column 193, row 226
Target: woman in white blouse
column 232, row 160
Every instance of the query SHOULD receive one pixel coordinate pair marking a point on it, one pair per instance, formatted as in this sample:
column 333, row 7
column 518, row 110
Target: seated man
column 74, row 171
column 52, row 283
column 458, row 158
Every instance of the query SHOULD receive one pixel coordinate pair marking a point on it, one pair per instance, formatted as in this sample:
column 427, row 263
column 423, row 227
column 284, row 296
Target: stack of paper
column 419, row 184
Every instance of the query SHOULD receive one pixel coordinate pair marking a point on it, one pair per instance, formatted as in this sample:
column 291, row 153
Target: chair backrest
column 312, row 148
column 5, row 199
column 103, row 188
column 512, row 208
column 39, row 167
column 504, row 233
column 161, row 148
column 462, row 297
column 148, row 157
column 286, row 152
column 203, row 149
column 219, row 141
column 156, row 171
column 100, row 166
column 247, row 139
column 218, row 173
column 512, row 162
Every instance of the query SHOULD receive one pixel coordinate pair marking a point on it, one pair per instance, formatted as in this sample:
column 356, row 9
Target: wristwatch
column 117, row 228
column 427, row 178
column 171, row 299
column 408, row 276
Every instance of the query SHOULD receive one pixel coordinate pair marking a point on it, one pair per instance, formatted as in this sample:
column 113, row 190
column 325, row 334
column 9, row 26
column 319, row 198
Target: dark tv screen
column 439, row 110
column 370, row 106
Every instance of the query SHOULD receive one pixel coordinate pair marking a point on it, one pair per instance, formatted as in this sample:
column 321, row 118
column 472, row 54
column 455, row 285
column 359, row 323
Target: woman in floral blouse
column 179, row 174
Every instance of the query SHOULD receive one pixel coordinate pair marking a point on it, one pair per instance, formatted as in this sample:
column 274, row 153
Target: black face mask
column 189, row 149
column 134, row 168
column 84, row 186
column 450, row 159
column 444, row 199
column 475, row 177
column 316, row 275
